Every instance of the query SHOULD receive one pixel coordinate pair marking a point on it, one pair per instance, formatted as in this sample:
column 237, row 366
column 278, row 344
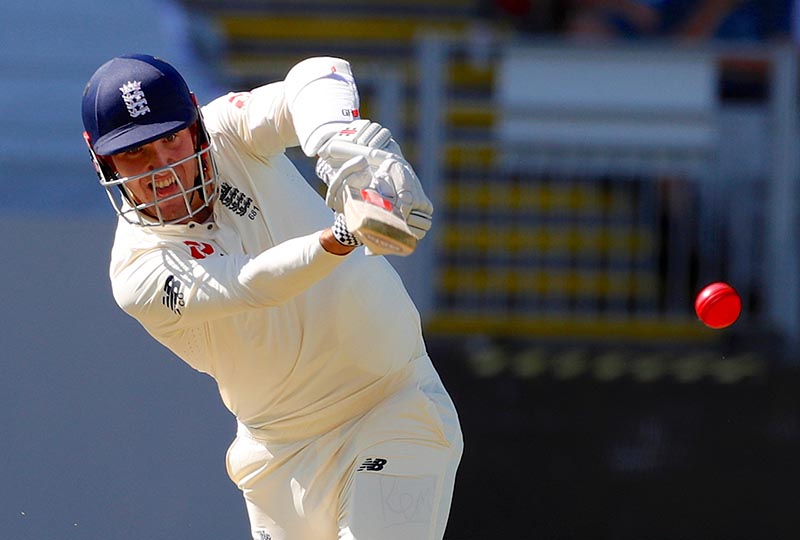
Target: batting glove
column 397, row 176
column 362, row 133
column 355, row 173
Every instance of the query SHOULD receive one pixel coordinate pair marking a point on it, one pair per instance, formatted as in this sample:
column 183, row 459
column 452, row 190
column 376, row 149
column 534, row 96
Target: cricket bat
column 373, row 220
column 370, row 216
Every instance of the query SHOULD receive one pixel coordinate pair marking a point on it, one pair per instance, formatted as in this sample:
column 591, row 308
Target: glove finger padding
column 355, row 173
column 369, row 134
column 325, row 170
column 415, row 207
column 419, row 224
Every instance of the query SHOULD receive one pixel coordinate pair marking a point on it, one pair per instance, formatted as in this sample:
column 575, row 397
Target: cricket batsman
column 226, row 255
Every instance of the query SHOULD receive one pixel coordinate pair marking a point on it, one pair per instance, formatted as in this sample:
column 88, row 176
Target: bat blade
column 372, row 219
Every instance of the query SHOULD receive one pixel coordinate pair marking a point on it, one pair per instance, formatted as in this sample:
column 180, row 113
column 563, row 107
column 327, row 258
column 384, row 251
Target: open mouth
column 164, row 185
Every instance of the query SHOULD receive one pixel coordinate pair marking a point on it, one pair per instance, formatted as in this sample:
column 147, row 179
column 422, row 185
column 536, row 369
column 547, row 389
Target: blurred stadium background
column 585, row 190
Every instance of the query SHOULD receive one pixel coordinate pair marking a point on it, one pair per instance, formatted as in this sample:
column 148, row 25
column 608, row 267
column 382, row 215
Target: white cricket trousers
column 387, row 475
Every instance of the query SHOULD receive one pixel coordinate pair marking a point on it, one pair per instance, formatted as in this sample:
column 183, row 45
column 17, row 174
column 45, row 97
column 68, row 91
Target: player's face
column 163, row 187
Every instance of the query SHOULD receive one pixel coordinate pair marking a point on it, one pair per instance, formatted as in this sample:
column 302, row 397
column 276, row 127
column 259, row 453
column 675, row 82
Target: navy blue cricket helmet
column 131, row 101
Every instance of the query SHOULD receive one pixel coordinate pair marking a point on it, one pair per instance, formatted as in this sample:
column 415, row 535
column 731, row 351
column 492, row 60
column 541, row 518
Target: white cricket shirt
column 298, row 340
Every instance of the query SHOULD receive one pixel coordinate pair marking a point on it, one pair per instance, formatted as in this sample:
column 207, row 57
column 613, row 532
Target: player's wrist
column 342, row 234
column 330, row 243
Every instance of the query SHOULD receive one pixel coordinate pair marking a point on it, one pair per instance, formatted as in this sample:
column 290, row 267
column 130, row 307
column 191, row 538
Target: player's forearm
column 283, row 271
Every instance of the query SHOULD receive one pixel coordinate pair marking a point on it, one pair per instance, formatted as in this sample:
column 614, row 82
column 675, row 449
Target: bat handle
column 344, row 150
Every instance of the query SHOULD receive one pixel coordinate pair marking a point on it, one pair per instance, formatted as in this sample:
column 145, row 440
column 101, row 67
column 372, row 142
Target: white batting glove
column 397, row 176
column 342, row 161
column 363, row 133
column 355, row 173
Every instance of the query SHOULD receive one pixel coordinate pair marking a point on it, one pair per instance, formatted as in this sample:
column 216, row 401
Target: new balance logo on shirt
column 173, row 295
column 372, row 464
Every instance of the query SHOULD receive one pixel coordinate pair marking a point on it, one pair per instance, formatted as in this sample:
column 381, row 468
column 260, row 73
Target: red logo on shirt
column 239, row 99
column 200, row 250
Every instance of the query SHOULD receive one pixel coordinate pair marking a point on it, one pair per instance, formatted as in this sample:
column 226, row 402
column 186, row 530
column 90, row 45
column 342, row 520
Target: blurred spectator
column 527, row 16
column 753, row 20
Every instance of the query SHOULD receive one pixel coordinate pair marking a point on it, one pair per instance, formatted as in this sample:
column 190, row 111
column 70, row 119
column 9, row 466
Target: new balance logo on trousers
column 372, row 464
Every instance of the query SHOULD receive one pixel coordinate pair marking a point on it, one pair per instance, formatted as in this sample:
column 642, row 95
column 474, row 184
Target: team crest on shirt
column 264, row 535
column 237, row 201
